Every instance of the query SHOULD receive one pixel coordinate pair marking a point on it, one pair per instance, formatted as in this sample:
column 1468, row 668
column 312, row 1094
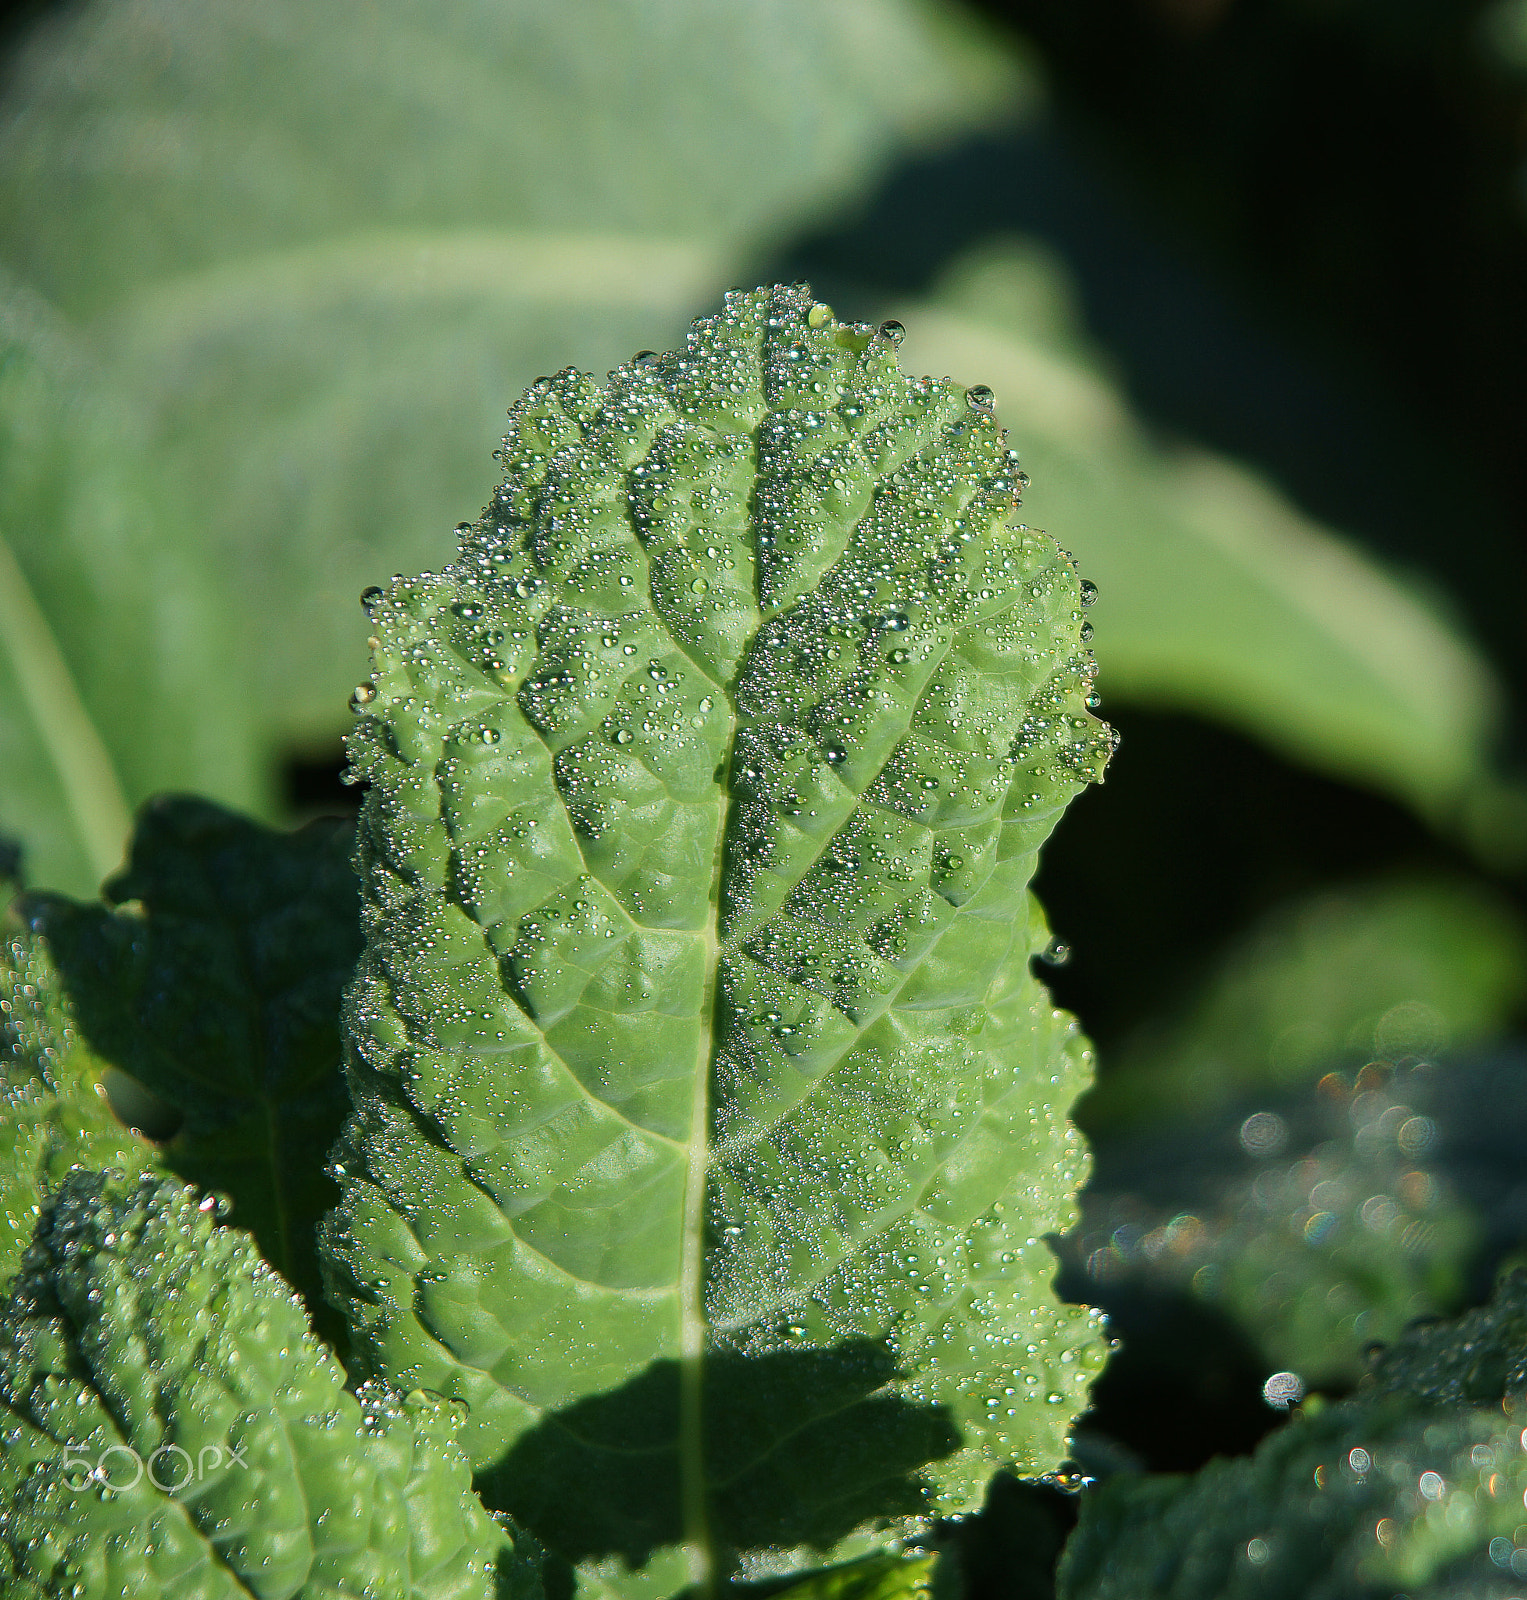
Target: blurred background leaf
column 320, row 251
column 182, row 135
column 1216, row 595
column 116, row 674
column 1371, row 970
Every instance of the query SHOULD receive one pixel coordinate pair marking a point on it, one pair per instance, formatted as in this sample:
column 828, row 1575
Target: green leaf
column 1477, row 1359
column 173, row 1427
column 1297, row 1521
column 317, row 275
column 116, row 673
column 1388, row 969
column 1417, row 1486
column 695, row 1037
column 212, row 977
column 1317, row 1224
column 52, row 1090
column 185, row 133
column 888, row 1577
column 1217, row 595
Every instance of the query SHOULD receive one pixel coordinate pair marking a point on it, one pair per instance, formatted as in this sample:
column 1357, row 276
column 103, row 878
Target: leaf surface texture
column 173, row 1428
column 695, row 1038
column 211, row 978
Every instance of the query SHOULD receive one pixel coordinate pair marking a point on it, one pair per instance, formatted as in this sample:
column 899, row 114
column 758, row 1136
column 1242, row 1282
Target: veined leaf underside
column 695, row 1025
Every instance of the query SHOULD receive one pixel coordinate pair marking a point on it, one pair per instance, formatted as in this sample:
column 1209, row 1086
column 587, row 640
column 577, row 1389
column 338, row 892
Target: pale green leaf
column 320, row 245
column 1217, row 596
column 709, row 1120
column 145, row 139
column 117, row 675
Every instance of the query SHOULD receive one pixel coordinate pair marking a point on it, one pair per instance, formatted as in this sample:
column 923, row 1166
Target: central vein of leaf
column 693, row 1326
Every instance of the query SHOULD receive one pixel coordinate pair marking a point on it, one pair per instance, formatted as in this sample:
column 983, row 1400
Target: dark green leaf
column 1477, row 1359
column 1414, row 1488
column 53, row 1108
column 212, row 978
column 1316, row 1223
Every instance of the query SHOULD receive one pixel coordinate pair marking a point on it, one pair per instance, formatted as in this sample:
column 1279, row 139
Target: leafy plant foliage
column 696, row 1124
column 202, row 998
column 98, row 569
column 707, row 1123
column 708, row 1118
column 1414, row 1487
column 171, row 1426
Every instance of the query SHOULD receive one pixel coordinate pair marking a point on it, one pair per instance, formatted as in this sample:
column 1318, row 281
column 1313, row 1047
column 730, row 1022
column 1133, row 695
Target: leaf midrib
column 693, row 1327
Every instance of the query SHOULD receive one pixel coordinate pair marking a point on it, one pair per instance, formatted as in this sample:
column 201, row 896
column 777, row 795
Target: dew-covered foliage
column 1318, row 1223
column 54, row 1116
column 1414, row 1487
column 653, row 1142
column 198, row 1005
column 171, row 1426
column 708, row 1119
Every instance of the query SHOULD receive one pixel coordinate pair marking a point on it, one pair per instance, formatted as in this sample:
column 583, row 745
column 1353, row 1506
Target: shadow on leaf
column 801, row 1447
column 208, row 985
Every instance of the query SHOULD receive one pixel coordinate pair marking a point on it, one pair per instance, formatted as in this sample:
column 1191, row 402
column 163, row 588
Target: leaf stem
column 86, row 773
